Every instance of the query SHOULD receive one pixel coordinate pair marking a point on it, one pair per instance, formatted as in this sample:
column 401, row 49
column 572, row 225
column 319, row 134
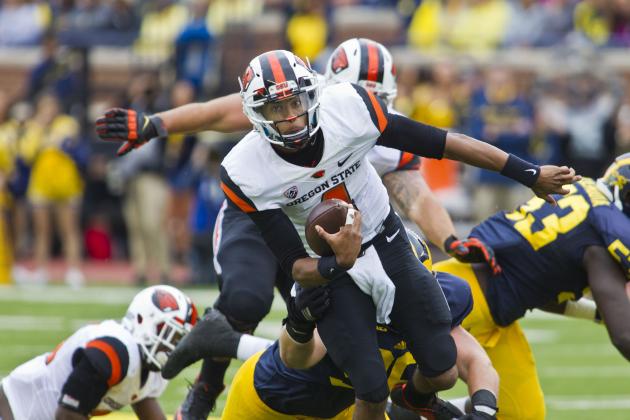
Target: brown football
column 331, row 216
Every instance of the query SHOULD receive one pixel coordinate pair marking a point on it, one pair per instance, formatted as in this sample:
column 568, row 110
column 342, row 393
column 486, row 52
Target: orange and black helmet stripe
column 275, row 68
column 372, row 62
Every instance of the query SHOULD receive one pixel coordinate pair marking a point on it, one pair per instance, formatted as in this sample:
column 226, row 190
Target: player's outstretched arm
column 148, row 409
column 223, row 114
column 410, row 192
column 412, row 195
column 608, row 285
column 133, row 129
column 543, row 180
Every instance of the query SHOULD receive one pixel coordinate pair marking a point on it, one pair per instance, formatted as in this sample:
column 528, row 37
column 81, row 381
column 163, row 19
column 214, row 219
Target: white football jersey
column 33, row 388
column 344, row 171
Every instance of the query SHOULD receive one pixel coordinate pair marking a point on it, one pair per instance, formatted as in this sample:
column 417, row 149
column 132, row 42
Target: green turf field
column 582, row 375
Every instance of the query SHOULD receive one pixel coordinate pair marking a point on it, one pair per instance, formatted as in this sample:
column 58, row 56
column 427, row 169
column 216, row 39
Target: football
column 331, row 216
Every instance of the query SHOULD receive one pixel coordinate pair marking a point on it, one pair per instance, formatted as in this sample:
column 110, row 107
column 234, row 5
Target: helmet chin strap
column 613, row 195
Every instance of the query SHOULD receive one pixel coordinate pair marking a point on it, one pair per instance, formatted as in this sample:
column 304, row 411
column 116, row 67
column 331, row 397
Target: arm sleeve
column 411, row 136
column 280, row 236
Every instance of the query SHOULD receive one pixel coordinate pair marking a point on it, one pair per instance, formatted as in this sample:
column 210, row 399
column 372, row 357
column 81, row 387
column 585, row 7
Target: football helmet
column 420, row 249
column 273, row 77
column 616, row 181
column 158, row 317
column 366, row 63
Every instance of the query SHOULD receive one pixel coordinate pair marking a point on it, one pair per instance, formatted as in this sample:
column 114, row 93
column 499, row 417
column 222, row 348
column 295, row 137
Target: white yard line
column 587, row 402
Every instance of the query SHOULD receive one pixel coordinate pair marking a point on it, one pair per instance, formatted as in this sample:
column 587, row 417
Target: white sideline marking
column 115, row 295
column 586, row 372
column 588, row 402
column 31, row 323
column 540, row 336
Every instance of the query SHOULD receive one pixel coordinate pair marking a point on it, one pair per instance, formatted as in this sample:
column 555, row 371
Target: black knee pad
column 244, row 309
column 378, row 395
column 437, row 357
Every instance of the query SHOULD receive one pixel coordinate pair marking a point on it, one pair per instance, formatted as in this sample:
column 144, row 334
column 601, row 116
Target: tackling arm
column 301, row 355
column 608, row 285
column 473, row 364
column 412, row 195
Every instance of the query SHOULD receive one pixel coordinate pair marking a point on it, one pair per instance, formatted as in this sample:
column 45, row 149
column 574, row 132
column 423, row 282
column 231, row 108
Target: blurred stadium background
column 545, row 79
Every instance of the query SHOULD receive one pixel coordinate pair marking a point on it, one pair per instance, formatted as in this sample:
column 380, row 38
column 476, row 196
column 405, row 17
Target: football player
column 307, row 147
column 245, row 298
column 295, row 377
column 103, row 367
column 549, row 256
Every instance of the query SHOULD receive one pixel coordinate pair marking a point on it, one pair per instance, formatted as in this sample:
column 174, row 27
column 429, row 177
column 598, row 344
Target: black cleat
column 199, row 402
column 436, row 408
column 213, row 336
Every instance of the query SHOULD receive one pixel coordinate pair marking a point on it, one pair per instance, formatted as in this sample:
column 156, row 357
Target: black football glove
column 212, row 336
column 484, row 406
column 308, row 305
column 471, row 250
column 129, row 126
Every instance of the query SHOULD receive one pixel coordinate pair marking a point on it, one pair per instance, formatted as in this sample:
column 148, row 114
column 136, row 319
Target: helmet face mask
column 617, row 181
column 158, row 317
column 366, row 63
column 281, row 78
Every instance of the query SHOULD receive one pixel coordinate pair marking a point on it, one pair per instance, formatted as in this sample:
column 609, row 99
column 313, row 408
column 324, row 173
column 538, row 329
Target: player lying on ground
column 103, row 367
column 549, row 255
column 273, row 182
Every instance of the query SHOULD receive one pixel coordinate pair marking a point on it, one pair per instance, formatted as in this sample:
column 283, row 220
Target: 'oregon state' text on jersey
column 540, row 248
column 301, row 392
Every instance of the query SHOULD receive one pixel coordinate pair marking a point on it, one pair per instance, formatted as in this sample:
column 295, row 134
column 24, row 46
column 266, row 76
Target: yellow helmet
column 420, row 249
column 617, row 180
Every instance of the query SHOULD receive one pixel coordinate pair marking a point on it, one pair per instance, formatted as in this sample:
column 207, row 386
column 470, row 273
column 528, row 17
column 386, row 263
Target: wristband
column 301, row 332
column 328, row 267
column 521, row 170
column 159, row 130
column 484, row 401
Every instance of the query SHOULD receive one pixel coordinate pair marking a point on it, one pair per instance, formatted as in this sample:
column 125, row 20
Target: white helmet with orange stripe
column 158, row 317
column 280, row 95
column 366, row 63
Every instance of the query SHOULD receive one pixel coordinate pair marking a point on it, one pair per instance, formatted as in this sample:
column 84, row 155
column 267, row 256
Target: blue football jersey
column 324, row 390
column 540, row 248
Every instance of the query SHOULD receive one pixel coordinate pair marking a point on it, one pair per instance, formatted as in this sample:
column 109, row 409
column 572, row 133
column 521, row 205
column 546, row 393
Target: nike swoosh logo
column 391, row 238
column 533, row 171
column 342, row 162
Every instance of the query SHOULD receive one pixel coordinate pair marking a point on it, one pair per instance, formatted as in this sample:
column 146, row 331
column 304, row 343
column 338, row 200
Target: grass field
column 582, row 375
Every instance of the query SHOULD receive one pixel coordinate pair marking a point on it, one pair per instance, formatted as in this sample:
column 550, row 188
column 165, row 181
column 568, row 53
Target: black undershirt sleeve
column 280, row 236
column 405, row 134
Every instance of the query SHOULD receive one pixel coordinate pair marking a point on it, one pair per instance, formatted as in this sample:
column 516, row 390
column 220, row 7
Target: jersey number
column 524, row 218
column 338, row 191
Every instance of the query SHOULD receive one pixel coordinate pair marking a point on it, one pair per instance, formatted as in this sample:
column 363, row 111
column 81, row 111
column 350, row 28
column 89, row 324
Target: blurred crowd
column 62, row 193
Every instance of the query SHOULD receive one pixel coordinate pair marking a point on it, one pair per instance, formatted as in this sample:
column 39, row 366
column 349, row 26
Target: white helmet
column 366, row 63
column 158, row 317
column 275, row 76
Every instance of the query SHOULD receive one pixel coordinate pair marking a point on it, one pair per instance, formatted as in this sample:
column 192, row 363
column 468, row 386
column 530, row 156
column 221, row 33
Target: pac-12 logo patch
column 291, row 193
column 339, row 61
column 165, row 301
